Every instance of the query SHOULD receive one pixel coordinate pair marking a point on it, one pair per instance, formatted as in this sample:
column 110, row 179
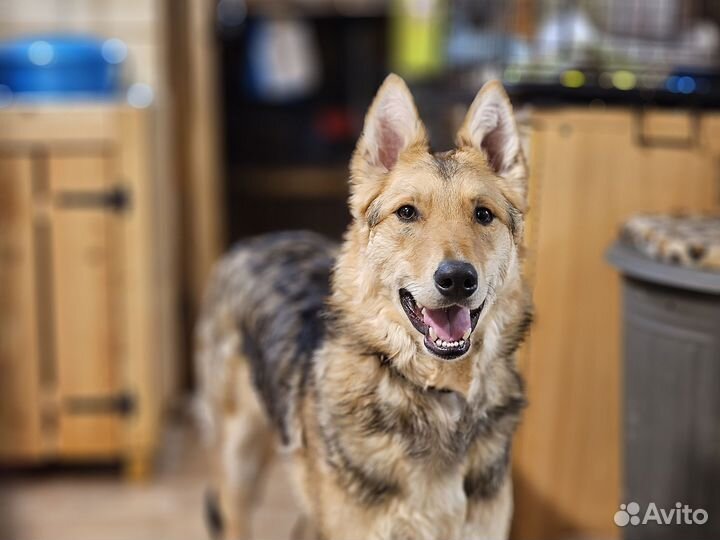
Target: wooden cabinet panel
column 78, row 172
column 77, row 124
column 20, row 434
column 88, row 376
column 711, row 137
column 589, row 174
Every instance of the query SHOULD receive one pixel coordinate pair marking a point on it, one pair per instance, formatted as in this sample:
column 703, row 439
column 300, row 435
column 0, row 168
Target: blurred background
column 141, row 138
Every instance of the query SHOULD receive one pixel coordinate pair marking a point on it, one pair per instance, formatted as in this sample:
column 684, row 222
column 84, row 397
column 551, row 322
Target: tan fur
column 380, row 254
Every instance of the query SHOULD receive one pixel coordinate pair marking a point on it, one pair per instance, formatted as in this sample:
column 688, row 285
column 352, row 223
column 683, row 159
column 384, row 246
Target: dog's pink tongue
column 450, row 324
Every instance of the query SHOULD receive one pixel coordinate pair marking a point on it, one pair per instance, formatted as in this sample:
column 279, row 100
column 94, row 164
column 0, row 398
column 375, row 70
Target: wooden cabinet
column 591, row 170
column 85, row 310
column 20, row 432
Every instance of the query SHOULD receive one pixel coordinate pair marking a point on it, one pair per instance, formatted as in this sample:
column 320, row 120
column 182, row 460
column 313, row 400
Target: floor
column 97, row 504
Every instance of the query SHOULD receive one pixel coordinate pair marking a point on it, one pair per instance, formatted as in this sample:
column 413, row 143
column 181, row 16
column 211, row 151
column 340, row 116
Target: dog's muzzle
column 447, row 330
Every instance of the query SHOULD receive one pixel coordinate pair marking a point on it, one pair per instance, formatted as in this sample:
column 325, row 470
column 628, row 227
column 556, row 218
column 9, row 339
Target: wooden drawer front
column 84, row 242
column 19, row 378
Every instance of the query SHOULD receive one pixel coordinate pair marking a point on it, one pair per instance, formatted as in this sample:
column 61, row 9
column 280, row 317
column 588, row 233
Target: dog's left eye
column 484, row 215
column 407, row 212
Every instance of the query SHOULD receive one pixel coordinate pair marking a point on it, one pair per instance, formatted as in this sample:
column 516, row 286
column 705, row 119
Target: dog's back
column 263, row 308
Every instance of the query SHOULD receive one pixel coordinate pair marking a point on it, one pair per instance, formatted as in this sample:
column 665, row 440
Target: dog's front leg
column 489, row 518
column 303, row 529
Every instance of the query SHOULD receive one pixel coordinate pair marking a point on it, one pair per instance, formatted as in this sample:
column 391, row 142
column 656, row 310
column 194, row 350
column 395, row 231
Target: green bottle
column 417, row 36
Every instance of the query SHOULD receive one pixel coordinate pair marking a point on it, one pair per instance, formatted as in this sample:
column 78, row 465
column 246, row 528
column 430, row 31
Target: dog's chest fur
column 413, row 457
column 370, row 412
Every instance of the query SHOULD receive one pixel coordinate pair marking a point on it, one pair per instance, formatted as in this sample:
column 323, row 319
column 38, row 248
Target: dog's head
column 440, row 232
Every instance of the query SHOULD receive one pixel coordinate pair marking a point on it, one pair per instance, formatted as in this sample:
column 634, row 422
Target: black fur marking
column 213, row 516
column 696, row 251
column 510, row 409
column 516, row 218
column 513, row 337
column 502, row 418
column 280, row 317
column 368, row 488
column 418, row 430
column 373, row 215
column 446, row 164
column 485, row 482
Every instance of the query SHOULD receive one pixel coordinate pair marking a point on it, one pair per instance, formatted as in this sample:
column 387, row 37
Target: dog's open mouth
column 447, row 330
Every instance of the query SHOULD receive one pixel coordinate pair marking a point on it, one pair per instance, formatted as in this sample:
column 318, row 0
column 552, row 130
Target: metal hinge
column 116, row 199
column 123, row 404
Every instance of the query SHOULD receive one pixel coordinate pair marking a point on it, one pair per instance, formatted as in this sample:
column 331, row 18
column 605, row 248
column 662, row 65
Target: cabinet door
column 20, row 416
column 711, row 137
column 86, row 316
column 590, row 172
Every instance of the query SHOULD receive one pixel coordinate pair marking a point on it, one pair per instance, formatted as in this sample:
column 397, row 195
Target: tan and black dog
column 383, row 368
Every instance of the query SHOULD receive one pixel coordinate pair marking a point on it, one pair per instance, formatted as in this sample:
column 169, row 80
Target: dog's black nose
column 456, row 279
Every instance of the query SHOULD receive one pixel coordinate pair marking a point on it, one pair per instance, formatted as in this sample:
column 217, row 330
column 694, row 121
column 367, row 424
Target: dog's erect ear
column 489, row 126
column 392, row 125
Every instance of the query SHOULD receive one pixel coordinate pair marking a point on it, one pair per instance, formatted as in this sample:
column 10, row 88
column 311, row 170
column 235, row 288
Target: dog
column 383, row 369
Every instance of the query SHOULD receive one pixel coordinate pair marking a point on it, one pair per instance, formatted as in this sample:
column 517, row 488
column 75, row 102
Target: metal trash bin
column 671, row 393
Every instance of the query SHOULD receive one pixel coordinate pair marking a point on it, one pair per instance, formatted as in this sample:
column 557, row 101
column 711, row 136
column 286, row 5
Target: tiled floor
column 99, row 505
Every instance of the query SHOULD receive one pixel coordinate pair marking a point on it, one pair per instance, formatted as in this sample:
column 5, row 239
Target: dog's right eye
column 407, row 213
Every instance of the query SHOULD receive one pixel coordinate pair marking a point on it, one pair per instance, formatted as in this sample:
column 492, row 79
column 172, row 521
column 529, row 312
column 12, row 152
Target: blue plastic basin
column 59, row 66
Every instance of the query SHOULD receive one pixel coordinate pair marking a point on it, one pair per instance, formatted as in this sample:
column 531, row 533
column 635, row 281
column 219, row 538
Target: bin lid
column 634, row 264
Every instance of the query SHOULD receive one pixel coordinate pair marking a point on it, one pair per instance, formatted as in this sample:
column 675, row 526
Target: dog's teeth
column 438, row 342
column 445, row 344
column 455, row 344
column 422, row 312
column 462, row 342
column 433, row 334
column 467, row 333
